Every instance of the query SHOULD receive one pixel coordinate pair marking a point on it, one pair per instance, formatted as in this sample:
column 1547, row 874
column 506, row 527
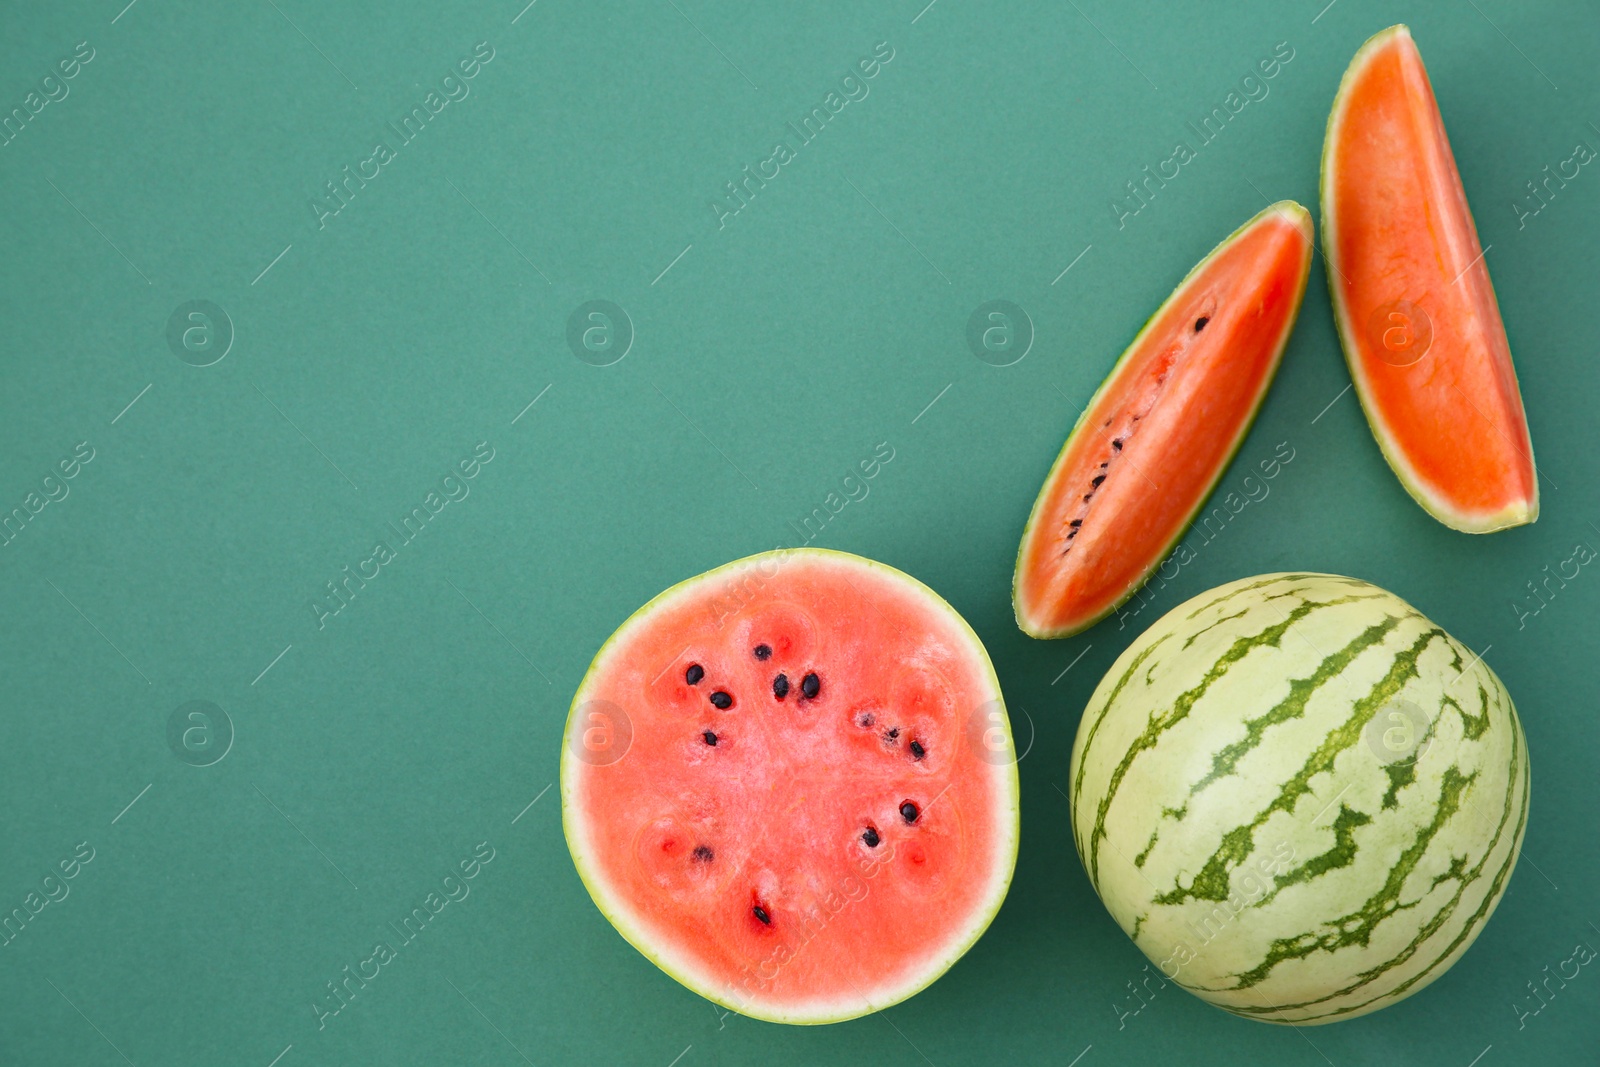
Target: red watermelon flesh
column 1416, row 310
column 804, row 857
column 1152, row 442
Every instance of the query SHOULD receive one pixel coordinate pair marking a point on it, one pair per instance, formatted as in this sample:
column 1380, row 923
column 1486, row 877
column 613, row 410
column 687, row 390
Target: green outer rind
column 1042, row 633
column 639, row 940
column 1392, row 453
column 1260, row 587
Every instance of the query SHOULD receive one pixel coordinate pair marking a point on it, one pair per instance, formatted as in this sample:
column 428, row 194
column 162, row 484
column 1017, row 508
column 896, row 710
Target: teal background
column 367, row 757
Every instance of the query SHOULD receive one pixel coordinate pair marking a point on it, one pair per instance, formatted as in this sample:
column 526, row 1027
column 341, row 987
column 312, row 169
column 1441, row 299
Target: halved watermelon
column 1147, row 451
column 789, row 782
column 1412, row 297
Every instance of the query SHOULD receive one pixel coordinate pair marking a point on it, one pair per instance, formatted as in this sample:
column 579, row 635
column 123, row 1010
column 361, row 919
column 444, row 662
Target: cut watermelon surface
column 789, row 782
column 1412, row 297
column 1152, row 442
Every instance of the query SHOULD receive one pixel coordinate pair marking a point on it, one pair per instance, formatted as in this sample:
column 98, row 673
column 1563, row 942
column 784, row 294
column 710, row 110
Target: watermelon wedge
column 789, row 782
column 1411, row 294
column 1149, row 448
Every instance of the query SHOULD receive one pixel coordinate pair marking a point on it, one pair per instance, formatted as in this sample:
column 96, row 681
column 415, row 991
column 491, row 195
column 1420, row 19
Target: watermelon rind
column 1302, row 218
column 1430, row 501
column 1240, row 811
column 684, row 970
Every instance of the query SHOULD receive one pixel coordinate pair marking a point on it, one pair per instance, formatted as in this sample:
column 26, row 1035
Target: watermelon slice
column 1412, row 297
column 1147, row 451
column 789, row 782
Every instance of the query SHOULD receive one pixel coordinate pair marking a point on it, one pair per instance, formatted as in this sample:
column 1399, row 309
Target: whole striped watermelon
column 1299, row 797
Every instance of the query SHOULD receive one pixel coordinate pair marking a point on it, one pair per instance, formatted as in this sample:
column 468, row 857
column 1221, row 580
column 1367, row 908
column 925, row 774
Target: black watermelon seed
column 694, row 674
column 1087, row 497
column 1096, row 480
column 1200, row 323
column 763, row 652
column 710, row 738
column 780, row 686
column 909, row 812
column 761, row 915
column 1075, row 522
column 917, row 751
column 810, row 686
column 1071, row 534
column 703, row 854
column 721, row 701
column 891, row 734
column 870, row 836
column 1116, row 445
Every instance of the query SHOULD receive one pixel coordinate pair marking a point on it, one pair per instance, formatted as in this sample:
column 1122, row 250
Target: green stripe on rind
column 1341, row 854
column 1426, row 975
column 1198, row 634
column 1239, row 843
column 1262, row 583
column 1294, row 705
column 1138, row 861
column 1519, row 770
column 1185, row 702
column 1378, row 907
column 1082, row 751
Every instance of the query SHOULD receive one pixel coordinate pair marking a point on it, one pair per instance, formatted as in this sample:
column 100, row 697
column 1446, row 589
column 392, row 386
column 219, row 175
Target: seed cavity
column 810, row 686
column 694, row 674
column 909, row 811
column 780, row 686
column 763, row 651
column 710, row 738
column 721, row 701
column 917, row 751
column 703, row 854
column 891, row 735
column 866, row 720
column 761, row 915
column 1200, row 323
column 870, row 837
